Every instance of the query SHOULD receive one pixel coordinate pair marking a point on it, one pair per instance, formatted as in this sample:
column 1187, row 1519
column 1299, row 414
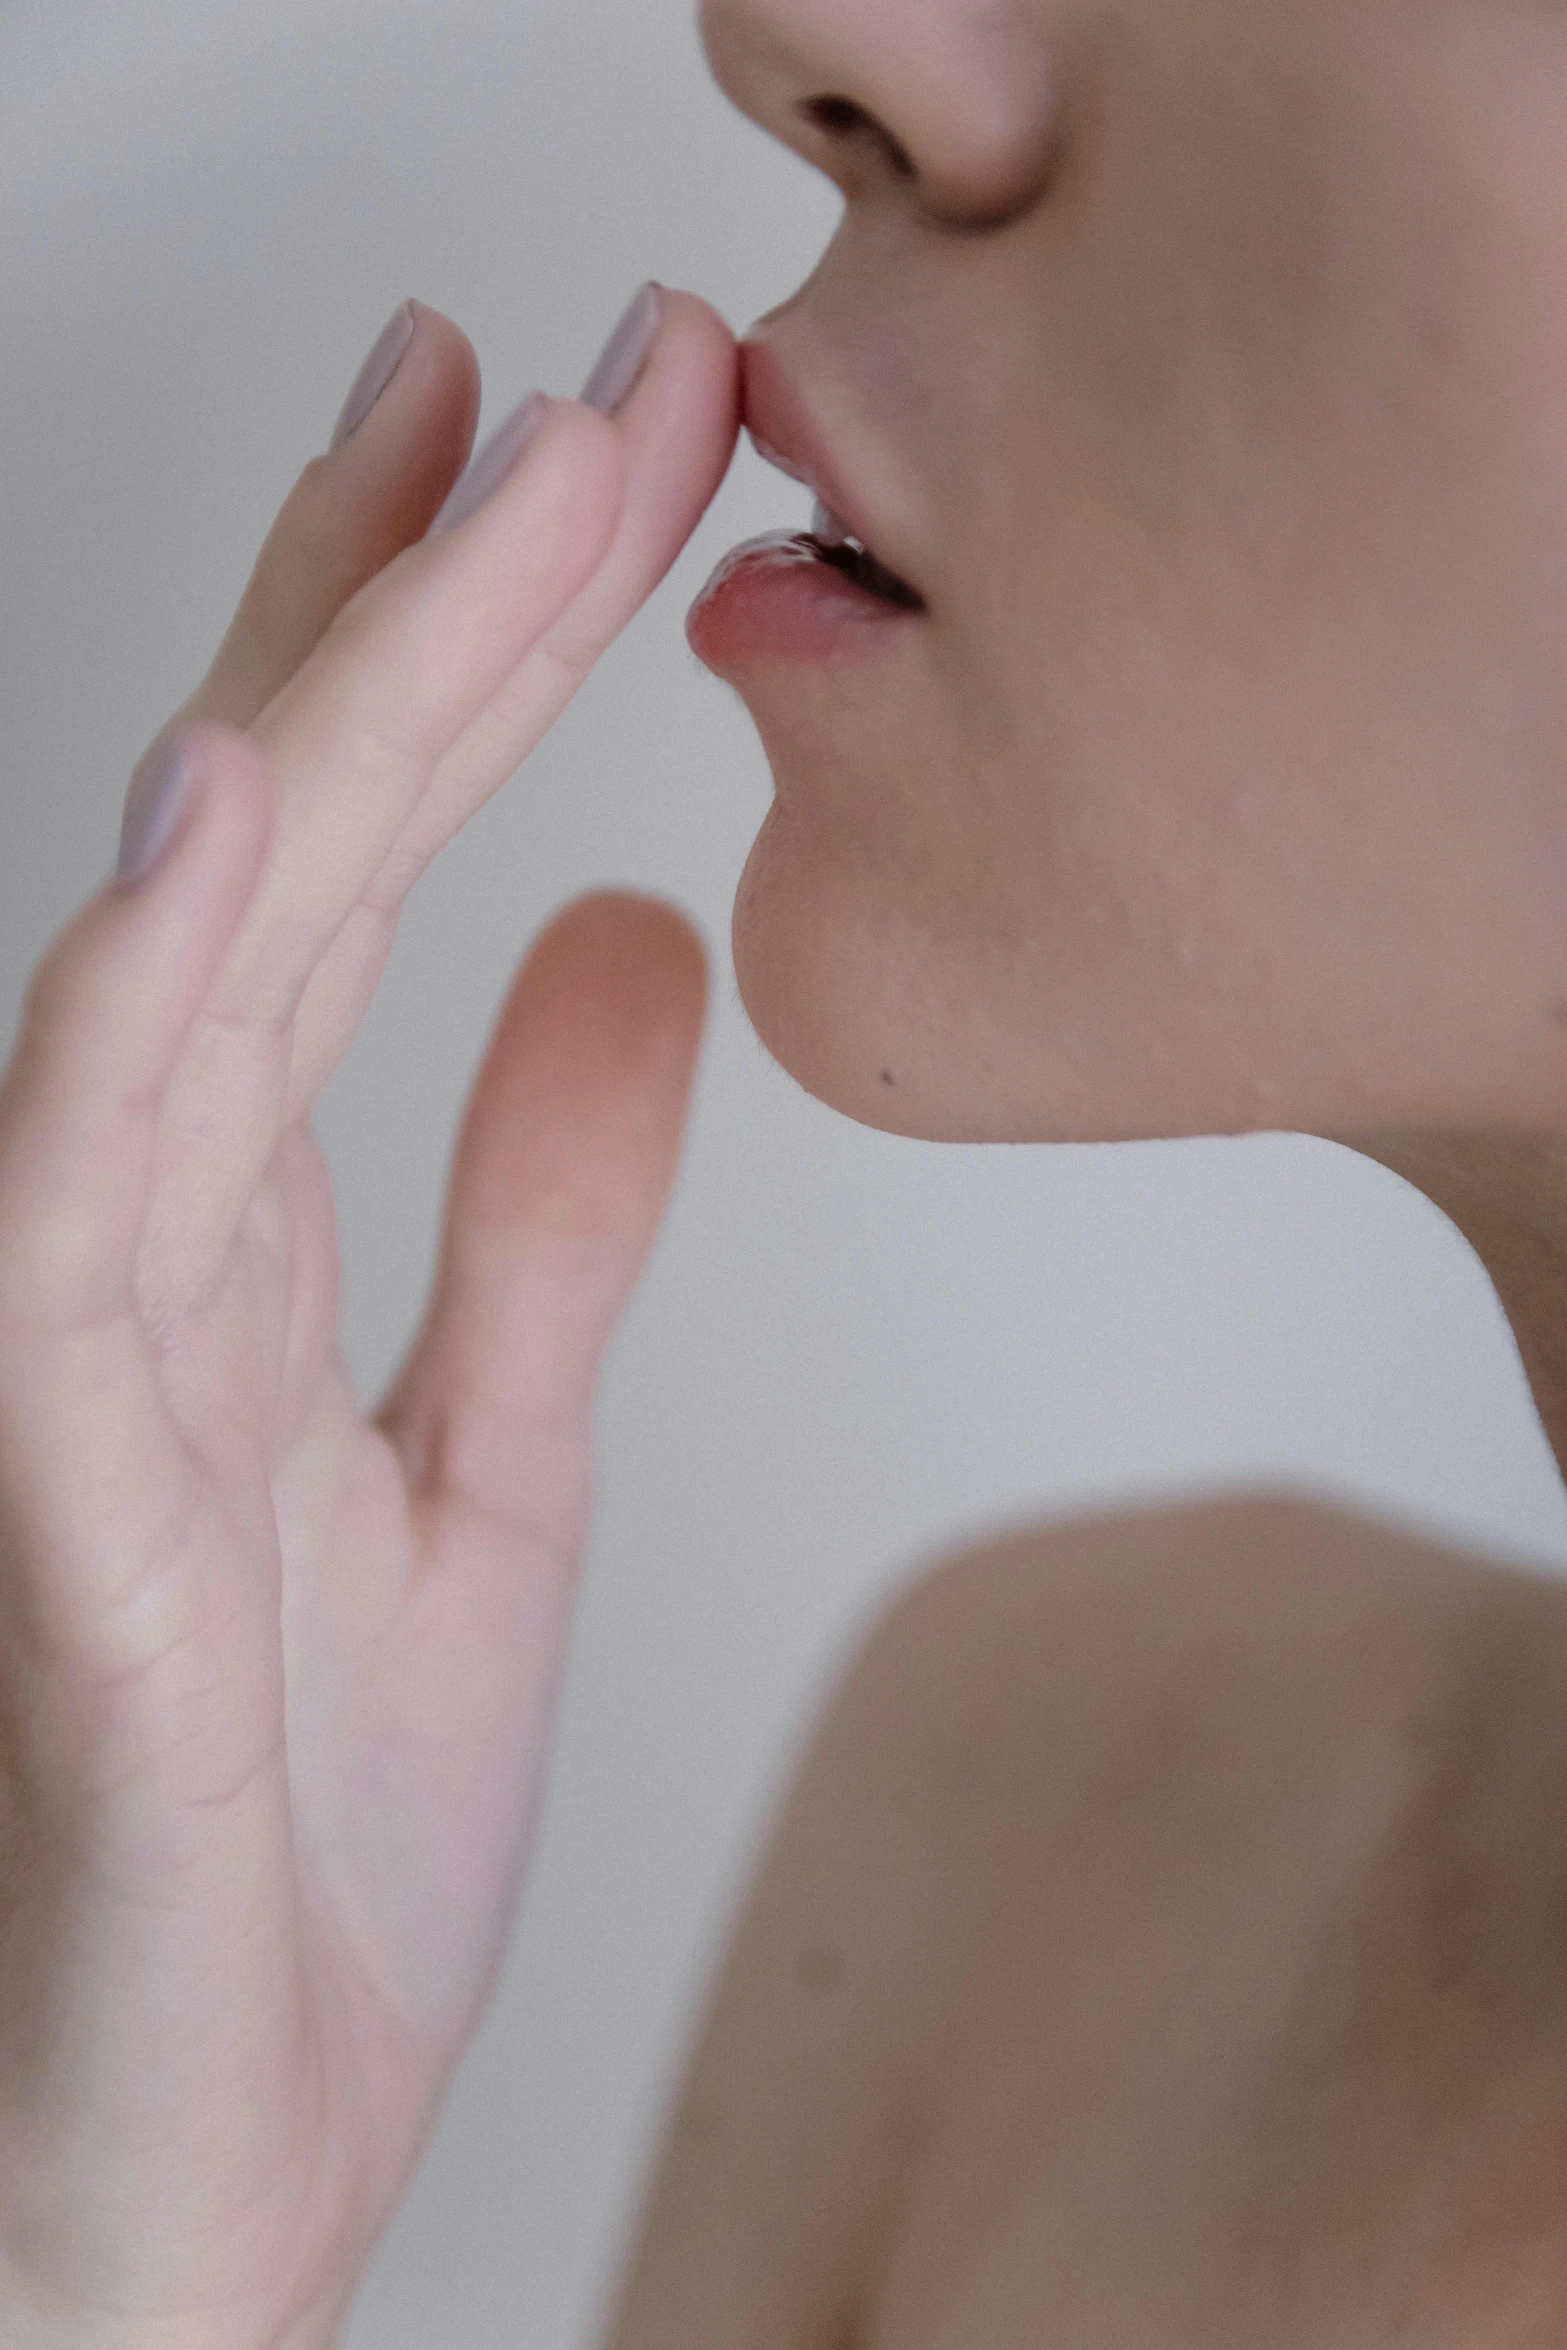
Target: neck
column 1507, row 1194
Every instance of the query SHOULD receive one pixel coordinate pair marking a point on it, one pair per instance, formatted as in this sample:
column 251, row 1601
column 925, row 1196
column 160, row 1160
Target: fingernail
column 376, row 373
column 154, row 803
column 620, row 362
column 493, row 463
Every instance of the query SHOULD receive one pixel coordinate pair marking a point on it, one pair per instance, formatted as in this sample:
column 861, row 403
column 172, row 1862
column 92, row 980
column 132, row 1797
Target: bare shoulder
column 865, row 1937
column 1261, row 1550
column 1251, row 1572
column 1052, row 1743
column 1235, row 1640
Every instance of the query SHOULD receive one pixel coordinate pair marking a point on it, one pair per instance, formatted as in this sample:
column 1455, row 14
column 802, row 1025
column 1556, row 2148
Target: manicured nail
column 621, row 360
column 493, row 463
column 376, row 373
column 154, row 803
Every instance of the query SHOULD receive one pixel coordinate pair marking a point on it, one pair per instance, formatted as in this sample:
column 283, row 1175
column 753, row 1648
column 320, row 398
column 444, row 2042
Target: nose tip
column 948, row 108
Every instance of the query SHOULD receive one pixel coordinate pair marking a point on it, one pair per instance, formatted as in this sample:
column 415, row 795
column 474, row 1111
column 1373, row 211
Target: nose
column 946, row 105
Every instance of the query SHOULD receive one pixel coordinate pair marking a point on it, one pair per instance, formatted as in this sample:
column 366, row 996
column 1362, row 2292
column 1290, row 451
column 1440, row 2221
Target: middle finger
column 355, row 735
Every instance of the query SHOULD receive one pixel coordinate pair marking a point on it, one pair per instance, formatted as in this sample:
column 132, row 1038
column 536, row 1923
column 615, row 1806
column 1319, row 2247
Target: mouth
column 784, row 434
column 830, row 541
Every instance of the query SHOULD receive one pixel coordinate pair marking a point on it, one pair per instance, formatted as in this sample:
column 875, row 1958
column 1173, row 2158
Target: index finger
column 677, row 433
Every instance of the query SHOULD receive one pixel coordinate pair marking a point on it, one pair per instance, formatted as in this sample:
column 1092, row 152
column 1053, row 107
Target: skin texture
column 1159, row 1947
column 276, row 1675
column 1201, row 362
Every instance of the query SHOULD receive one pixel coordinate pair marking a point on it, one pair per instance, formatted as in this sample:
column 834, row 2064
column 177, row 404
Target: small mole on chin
column 888, row 1078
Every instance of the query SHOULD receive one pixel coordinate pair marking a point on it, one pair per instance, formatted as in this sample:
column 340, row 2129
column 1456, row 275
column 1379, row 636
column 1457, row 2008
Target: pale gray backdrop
column 850, row 1351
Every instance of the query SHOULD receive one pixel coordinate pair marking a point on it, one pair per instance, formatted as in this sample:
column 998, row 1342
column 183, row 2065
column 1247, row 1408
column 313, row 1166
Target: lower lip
column 773, row 600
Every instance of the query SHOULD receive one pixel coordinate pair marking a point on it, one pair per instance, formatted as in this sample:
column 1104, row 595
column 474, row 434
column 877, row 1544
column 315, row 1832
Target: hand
column 276, row 1680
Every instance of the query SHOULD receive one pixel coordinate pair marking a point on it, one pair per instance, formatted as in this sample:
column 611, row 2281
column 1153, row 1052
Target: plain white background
column 850, row 1352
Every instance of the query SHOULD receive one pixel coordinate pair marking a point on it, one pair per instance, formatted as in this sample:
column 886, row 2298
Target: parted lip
column 784, row 432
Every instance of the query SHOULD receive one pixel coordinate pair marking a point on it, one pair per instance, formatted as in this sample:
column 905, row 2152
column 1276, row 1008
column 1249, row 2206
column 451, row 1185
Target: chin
column 851, row 989
column 870, row 993
column 819, row 979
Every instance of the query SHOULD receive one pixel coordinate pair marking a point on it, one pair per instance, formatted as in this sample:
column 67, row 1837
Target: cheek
column 1177, row 892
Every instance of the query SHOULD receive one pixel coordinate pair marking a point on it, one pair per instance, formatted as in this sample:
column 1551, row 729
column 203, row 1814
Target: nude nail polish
column 380, row 366
column 493, row 463
column 154, row 804
column 621, row 361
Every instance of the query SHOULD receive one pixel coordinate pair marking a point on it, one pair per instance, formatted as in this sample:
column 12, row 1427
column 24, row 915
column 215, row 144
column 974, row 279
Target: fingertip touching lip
column 783, row 432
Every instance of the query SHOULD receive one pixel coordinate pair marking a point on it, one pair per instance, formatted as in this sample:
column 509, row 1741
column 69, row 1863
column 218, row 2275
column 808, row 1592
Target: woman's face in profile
column 1203, row 363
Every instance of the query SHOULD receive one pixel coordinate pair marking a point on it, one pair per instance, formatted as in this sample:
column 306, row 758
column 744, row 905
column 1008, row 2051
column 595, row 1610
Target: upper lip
column 783, row 430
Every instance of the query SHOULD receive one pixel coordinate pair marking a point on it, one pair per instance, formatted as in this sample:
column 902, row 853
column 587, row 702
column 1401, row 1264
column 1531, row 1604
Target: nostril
column 841, row 118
